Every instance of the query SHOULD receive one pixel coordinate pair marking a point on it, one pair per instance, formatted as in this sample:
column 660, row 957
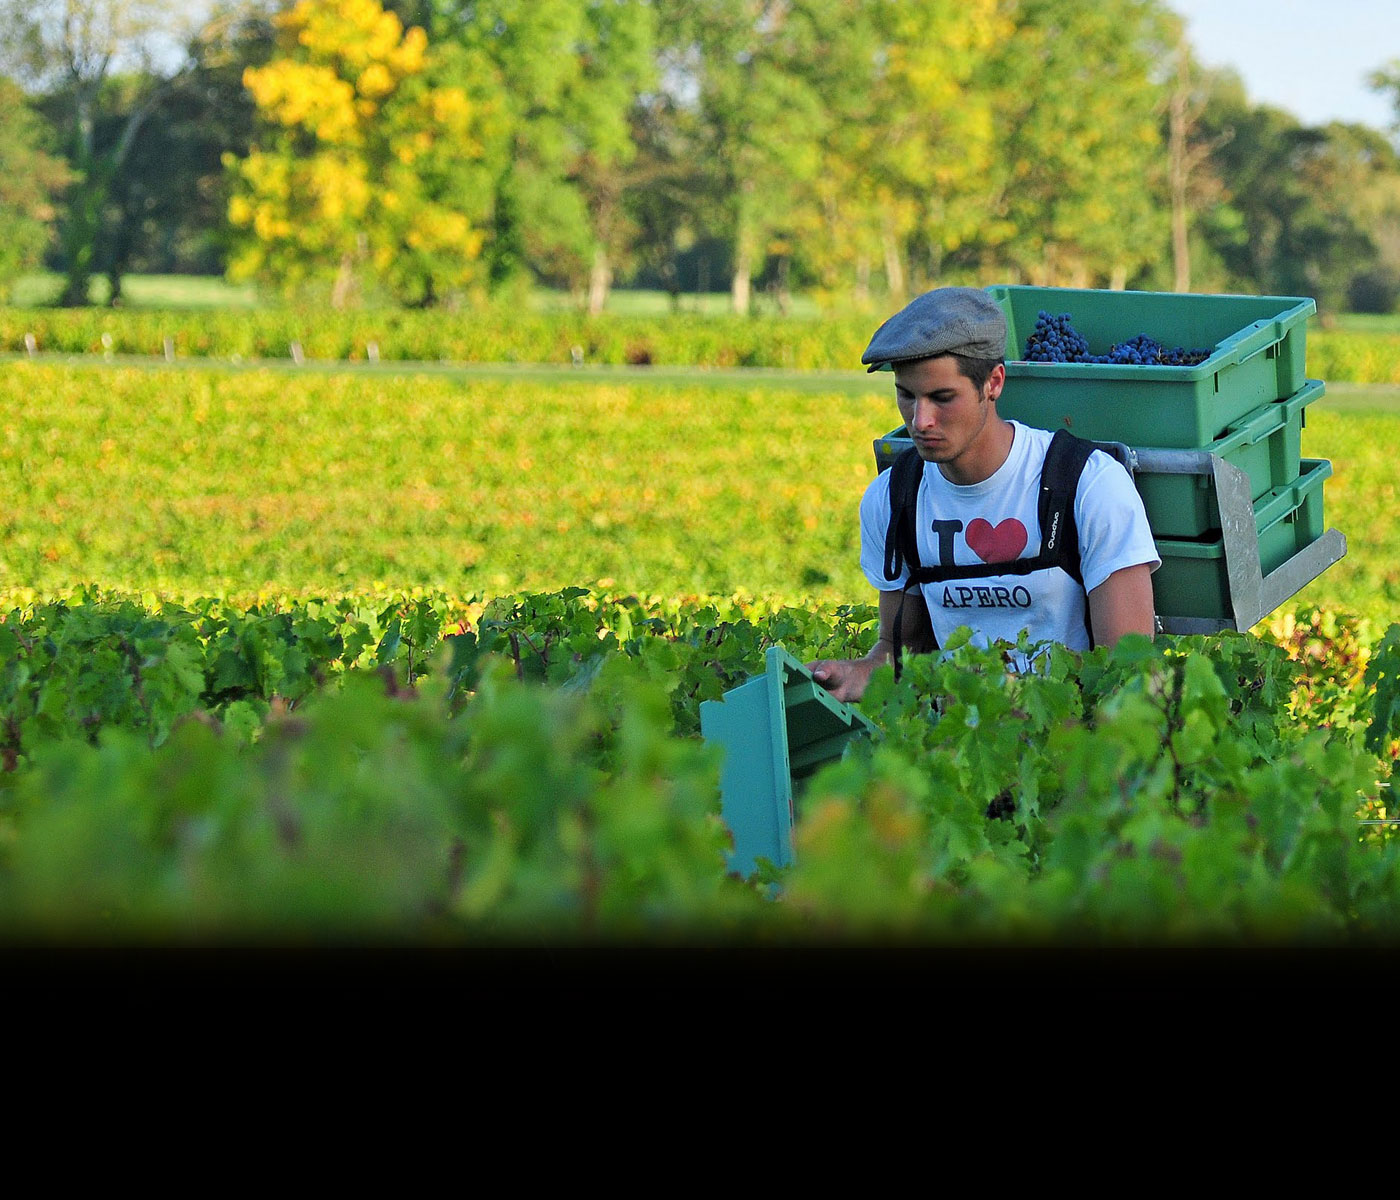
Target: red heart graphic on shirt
column 1000, row 543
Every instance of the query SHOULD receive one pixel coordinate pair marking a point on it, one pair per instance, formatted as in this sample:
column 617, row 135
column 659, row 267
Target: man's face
column 945, row 415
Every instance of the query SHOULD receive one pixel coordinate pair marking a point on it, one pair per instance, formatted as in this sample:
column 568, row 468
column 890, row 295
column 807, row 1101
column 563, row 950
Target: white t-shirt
column 996, row 521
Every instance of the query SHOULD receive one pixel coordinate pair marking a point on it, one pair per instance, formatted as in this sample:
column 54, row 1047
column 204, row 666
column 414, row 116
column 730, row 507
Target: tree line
column 447, row 152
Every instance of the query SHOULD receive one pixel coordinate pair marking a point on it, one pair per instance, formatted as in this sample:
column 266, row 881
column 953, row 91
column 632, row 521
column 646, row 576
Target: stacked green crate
column 1193, row 580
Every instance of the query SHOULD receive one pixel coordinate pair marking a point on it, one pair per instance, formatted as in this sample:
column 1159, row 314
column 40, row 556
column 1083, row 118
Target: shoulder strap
column 901, row 540
column 1059, row 484
column 901, row 537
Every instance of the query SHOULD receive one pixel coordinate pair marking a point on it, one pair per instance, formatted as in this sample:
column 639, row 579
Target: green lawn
column 212, row 291
column 1368, row 322
column 145, row 291
column 201, row 291
column 1378, row 398
column 630, row 302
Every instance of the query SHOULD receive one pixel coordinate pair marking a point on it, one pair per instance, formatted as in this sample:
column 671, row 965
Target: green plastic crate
column 1266, row 445
column 1257, row 348
column 776, row 730
column 1192, row 580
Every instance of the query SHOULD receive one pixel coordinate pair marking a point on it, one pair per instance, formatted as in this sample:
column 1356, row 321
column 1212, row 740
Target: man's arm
column 846, row 678
column 1121, row 604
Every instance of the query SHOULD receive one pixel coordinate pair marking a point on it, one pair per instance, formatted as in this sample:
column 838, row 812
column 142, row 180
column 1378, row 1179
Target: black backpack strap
column 1059, row 484
column 901, row 538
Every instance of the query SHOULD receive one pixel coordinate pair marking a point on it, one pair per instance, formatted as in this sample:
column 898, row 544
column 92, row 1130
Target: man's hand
column 845, row 678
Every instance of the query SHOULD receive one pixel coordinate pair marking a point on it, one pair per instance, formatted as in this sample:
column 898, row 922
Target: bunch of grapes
column 1054, row 339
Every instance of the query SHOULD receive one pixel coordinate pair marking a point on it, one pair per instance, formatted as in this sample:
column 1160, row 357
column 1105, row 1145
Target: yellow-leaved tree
column 910, row 142
column 368, row 174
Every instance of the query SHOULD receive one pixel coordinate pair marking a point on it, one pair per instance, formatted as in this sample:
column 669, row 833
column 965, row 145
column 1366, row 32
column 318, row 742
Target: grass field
column 213, row 291
column 145, row 291
column 215, row 482
column 1368, row 322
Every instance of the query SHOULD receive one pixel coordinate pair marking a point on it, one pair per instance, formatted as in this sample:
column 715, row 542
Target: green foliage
column 530, row 816
column 30, row 179
column 1383, row 674
column 1359, row 498
column 494, row 335
column 1077, row 195
column 1166, row 798
column 334, row 772
column 271, row 484
column 498, row 334
column 1355, row 357
column 72, row 669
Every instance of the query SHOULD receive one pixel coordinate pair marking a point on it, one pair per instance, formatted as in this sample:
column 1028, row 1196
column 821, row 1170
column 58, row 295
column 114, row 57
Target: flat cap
column 950, row 320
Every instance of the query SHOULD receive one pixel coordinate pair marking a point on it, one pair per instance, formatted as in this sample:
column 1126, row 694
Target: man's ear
column 996, row 381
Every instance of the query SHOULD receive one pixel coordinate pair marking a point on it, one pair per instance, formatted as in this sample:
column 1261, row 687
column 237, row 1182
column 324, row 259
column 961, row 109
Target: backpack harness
column 1059, row 536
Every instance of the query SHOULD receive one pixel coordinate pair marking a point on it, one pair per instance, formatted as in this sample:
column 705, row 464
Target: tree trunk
column 739, row 284
column 673, row 282
column 894, row 261
column 1118, row 281
column 1176, row 174
column 863, row 279
column 599, row 282
column 82, row 228
column 81, row 231
column 344, row 285
column 785, row 284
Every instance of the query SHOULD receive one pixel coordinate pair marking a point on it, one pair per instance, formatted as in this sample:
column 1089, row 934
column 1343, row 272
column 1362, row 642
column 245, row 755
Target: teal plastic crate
column 776, row 730
column 1192, row 580
column 1258, row 351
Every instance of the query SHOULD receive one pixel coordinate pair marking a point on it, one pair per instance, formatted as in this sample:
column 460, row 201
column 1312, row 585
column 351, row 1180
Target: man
column 977, row 504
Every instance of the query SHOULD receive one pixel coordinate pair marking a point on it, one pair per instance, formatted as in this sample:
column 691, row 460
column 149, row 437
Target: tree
column 564, row 78
column 71, row 50
column 909, row 141
column 662, row 205
column 739, row 66
column 29, row 180
column 168, row 208
column 1302, row 211
column 367, row 171
column 1190, row 182
column 1077, row 92
column 1387, row 79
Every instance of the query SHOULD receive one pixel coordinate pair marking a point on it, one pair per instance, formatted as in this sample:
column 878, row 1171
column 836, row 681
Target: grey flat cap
column 951, row 320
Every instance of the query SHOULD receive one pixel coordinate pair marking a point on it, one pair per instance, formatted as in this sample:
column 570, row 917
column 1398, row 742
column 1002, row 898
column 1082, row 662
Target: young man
column 978, row 503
